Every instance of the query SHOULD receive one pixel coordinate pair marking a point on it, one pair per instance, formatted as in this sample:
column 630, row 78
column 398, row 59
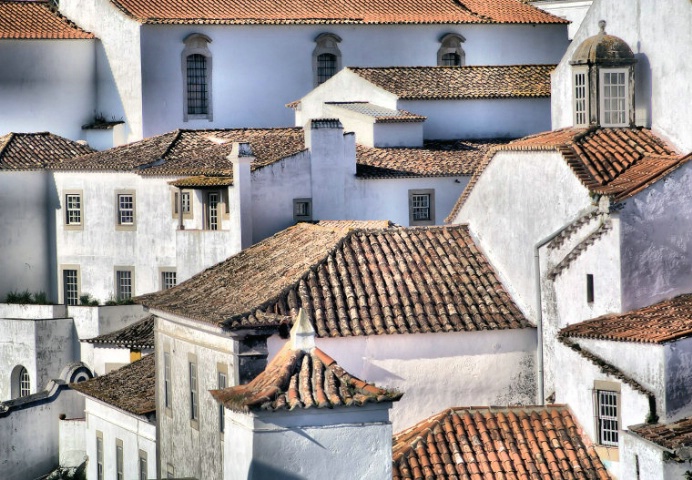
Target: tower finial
column 602, row 25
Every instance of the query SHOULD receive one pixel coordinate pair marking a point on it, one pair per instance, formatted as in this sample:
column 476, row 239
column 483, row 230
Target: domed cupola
column 603, row 81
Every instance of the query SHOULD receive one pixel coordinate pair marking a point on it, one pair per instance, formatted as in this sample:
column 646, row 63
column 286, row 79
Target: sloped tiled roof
column 300, row 379
column 672, row 435
column 618, row 162
column 659, row 323
column 351, row 282
column 434, row 159
column 470, row 82
column 131, row 388
column 378, row 113
column 29, row 20
column 138, row 335
column 356, row 224
column 203, row 181
column 493, row 443
column 193, row 152
column 35, row 151
column 301, row 12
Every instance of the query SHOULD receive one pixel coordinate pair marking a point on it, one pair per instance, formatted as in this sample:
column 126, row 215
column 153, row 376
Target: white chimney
column 240, row 195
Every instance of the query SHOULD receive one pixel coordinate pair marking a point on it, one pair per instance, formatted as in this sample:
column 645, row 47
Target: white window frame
column 119, row 460
column 169, row 278
column 121, row 274
column 581, row 116
column 213, row 211
column 222, row 382
column 413, row 196
column 71, row 212
column 66, row 298
column 143, row 466
column 197, row 44
column 607, row 413
column 193, row 377
column 450, row 43
column 602, row 96
column 24, row 382
column 325, row 43
column 99, row 455
column 126, row 211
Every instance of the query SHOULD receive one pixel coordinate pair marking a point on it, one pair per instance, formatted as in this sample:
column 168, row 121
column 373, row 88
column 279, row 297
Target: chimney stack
column 240, row 195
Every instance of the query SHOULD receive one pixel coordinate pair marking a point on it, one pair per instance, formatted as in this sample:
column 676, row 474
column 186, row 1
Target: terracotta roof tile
column 618, row 162
column 193, row 152
column 131, row 388
column 435, row 159
column 378, row 113
column 351, row 282
column 33, row 151
column 672, row 435
column 659, row 323
column 435, row 83
column 36, row 20
column 356, row 224
column 263, row 12
column 498, row 443
column 138, row 335
column 203, row 181
column 300, row 379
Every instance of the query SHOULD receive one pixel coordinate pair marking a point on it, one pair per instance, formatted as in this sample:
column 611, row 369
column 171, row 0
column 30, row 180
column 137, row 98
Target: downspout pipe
column 539, row 302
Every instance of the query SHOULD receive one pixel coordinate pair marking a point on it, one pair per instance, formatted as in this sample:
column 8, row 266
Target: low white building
column 116, row 349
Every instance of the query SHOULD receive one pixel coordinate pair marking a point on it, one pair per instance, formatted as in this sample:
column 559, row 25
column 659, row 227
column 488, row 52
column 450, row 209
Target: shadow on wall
column 261, row 470
column 643, row 88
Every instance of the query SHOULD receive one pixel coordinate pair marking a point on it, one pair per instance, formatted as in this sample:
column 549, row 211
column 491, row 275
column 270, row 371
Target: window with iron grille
column 99, row 455
column 580, row 99
column 119, row 475
column 126, row 209
column 326, row 67
column 73, row 209
column 197, row 87
column 607, row 417
column 326, row 57
column 123, row 284
column 450, row 60
column 24, row 383
column 167, row 393
column 194, row 412
column 614, row 97
column 450, row 53
column 222, row 385
column 70, row 287
column 168, row 280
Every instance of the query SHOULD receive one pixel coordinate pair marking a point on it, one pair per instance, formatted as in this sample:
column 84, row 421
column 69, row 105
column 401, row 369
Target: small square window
column 422, row 207
column 302, row 209
column 168, row 280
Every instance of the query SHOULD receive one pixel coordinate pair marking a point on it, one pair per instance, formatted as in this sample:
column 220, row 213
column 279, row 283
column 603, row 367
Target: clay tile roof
column 36, row 20
column 301, row 12
column 659, row 323
column 356, row 224
column 435, row 159
column 138, row 335
column 351, row 282
column 672, row 435
column 301, row 379
column 454, row 83
column 494, row 442
column 618, row 162
column 378, row 113
column 131, row 388
column 203, row 181
column 34, row 151
column 193, row 152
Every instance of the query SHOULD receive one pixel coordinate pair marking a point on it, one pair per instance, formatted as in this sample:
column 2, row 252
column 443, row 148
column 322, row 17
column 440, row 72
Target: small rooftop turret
column 603, row 49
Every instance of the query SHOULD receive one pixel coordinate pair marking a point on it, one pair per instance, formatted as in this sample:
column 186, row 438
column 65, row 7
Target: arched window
column 450, row 53
column 326, row 58
column 196, row 64
column 21, row 382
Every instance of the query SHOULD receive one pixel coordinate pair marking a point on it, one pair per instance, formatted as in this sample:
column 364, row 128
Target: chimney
column 303, row 333
column 240, row 195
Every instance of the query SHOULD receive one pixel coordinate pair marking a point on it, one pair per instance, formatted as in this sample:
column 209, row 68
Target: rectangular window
column 302, row 209
column 99, row 455
column 421, row 207
column 70, row 287
column 168, row 280
column 143, row 470
column 614, row 98
column 194, row 412
column 123, row 284
column 212, row 211
column 197, row 93
column 589, row 288
column 73, row 209
column 222, row 385
column 167, row 379
column 126, row 209
column 580, row 99
column 119, row 475
column 607, row 417
column 186, row 204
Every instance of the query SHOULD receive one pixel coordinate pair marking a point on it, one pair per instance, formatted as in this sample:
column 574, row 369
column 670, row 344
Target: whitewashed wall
column 659, row 35
column 340, row 443
column 440, row 370
column 678, row 378
column 72, row 440
column 637, row 452
column 47, row 85
column 135, row 432
column 572, row 10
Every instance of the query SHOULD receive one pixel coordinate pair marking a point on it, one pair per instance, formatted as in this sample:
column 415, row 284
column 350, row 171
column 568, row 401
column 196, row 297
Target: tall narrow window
column 99, row 455
column 126, row 209
column 580, row 99
column 197, row 75
column 450, row 53
column 614, row 98
column 123, row 284
column 607, row 417
column 70, row 286
column 24, row 383
column 167, row 379
column 73, row 209
column 222, row 385
column 326, row 57
column 194, row 407
column 326, row 67
column 589, row 288
column 143, row 469
column 213, row 211
column 119, row 472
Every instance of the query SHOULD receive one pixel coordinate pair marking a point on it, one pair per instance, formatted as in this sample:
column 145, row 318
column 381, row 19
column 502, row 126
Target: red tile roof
column 138, row 335
column 35, row 151
column 496, row 443
column 351, row 282
column 618, row 162
column 302, row 12
column 378, row 113
column 36, row 20
column 672, row 435
column 435, row 159
column 455, row 83
column 131, row 388
column 300, row 379
column 193, row 152
column 659, row 323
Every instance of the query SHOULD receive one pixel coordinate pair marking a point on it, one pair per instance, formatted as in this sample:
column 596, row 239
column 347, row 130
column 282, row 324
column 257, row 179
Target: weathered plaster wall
column 114, row 424
column 659, row 35
column 72, row 440
column 572, row 10
column 440, row 370
column 519, row 200
column 678, row 378
column 656, row 244
column 47, row 85
column 641, row 459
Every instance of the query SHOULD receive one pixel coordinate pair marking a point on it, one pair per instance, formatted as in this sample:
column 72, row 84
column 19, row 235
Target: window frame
column 193, row 390
column 118, row 287
column 430, row 193
column 63, row 285
column 625, row 98
column 581, row 72
column 175, row 202
column 297, row 217
column 167, row 271
column 326, row 43
column 451, row 43
column 167, row 382
column 222, row 382
column 99, row 456
column 197, row 44
column 611, row 389
column 24, row 382
column 119, row 224
column 119, row 460
column 67, row 224
column 219, row 210
column 143, row 465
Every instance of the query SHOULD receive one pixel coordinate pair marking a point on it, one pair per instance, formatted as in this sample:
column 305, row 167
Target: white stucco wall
column 659, row 35
column 572, row 10
column 519, row 200
column 72, row 441
column 340, row 443
column 637, row 452
column 656, row 244
column 440, row 370
column 678, row 379
column 136, row 433
column 47, row 85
